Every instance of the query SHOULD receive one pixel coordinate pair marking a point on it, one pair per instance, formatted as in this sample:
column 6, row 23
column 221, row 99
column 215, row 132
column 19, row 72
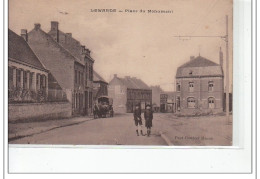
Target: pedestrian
column 138, row 119
column 148, row 116
column 95, row 111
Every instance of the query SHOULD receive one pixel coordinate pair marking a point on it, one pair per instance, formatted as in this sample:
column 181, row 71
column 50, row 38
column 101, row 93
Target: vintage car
column 103, row 107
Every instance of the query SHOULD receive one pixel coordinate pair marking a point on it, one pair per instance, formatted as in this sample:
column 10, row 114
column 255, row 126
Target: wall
column 156, row 91
column 39, row 111
column 59, row 62
column 201, row 94
column 118, row 93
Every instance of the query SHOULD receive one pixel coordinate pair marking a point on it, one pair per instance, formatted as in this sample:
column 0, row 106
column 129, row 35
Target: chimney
column 83, row 49
column 220, row 57
column 37, row 26
column 69, row 34
column 192, row 58
column 87, row 51
column 55, row 30
column 54, row 25
column 115, row 75
column 24, row 34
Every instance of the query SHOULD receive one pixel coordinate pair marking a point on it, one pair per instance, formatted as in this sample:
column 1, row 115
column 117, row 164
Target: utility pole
column 225, row 38
column 227, row 72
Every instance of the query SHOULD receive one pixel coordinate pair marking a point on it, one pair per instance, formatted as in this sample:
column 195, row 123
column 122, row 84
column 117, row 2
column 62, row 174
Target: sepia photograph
column 134, row 73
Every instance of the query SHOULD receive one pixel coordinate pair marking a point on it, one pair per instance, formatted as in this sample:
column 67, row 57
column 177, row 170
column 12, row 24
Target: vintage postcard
column 96, row 72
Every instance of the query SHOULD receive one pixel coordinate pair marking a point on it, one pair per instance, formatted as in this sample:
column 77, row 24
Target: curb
column 15, row 136
column 166, row 139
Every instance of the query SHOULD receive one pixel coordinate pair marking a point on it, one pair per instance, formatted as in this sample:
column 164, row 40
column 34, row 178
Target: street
column 120, row 130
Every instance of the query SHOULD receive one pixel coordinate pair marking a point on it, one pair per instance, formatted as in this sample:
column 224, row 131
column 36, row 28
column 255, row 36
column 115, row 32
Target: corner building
column 199, row 86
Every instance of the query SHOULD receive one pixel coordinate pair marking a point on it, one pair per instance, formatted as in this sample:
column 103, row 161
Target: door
column 86, row 102
column 211, row 103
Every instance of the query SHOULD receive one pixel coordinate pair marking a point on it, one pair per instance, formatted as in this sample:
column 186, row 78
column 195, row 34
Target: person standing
column 138, row 119
column 148, row 116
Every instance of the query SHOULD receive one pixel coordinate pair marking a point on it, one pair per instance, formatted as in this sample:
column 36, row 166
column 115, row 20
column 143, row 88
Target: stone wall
column 39, row 111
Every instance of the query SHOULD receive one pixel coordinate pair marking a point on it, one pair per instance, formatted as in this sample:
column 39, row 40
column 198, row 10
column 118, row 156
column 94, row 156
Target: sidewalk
column 24, row 129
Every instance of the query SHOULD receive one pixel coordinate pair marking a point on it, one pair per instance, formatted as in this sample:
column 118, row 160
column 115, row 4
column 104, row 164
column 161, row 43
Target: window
column 191, row 86
column 18, row 78
column 91, row 72
column 211, row 85
column 41, row 81
column 191, row 102
column 78, row 77
column 82, row 78
column 25, row 80
column 90, row 99
column 30, row 80
column 10, row 77
column 75, row 76
column 211, row 103
column 178, row 86
column 37, row 81
column 178, row 103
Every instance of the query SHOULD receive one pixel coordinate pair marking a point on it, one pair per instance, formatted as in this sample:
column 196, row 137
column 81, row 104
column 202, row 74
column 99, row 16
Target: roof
column 71, row 44
column 53, row 42
column 199, row 67
column 199, row 62
column 169, row 93
column 131, row 82
column 19, row 50
column 97, row 77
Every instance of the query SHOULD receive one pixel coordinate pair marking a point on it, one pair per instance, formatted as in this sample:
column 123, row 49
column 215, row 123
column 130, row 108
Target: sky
column 141, row 45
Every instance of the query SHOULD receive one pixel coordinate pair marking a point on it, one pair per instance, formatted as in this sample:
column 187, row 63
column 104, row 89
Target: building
column 64, row 54
column 28, row 84
column 66, row 69
column 168, row 102
column 127, row 92
column 156, row 92
column 27, row 77
column 100, row 86
column 83, row 86
column 199, row 86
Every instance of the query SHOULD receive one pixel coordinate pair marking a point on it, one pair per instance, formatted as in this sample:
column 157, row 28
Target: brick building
column 127, row 92
column 83, row 77
column 100, row 86
column 199, row 86
column 67, row 70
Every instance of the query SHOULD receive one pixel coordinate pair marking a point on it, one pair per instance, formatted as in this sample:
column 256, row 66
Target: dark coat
column 148, row 116
column 137, row 113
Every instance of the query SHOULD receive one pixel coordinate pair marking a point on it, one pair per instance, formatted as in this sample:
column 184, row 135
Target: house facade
column 83, row 69
column 70, row 65
column 128, row 92
column 60, row 62
column 199, row 86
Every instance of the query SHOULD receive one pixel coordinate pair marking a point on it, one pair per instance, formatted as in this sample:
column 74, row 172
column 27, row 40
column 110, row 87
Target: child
column 148, row 116
column 138, row 119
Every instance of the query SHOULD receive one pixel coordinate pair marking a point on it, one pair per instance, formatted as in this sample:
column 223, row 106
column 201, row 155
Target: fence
column 19, row 95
